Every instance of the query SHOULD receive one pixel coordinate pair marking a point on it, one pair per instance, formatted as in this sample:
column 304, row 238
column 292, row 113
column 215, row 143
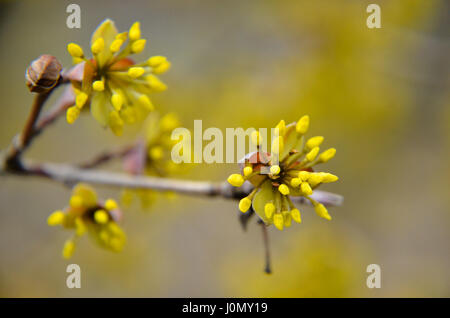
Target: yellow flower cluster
column 284, row 172
column 86, row 214
column 114, row 87
column 156, row 152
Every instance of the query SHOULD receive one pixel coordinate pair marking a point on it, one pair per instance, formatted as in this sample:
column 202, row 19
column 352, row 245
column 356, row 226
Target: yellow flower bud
column 75, row 50
column 145, row 102
column 245, row 204
column 284, row 189
column 111, row 204
column 117, row 101
column 68, row 249
column 115, row 45
column 98, row 86
column 72, row 114
column 278, row 221
column 135, row 72
column 327, row 155
column 269, row 209
column 310, row 156
column 247, row 171
column 161, row 68
column 322, row 211
column 295, row 213
column 155, row 61
column 80, row 227
column 328, row 177
column 302, row 125
column 314, row 142
column 275, row 170
column 304, row 175
column 236, row 180
column 81, row 99
column 76, row 201
column 306, row 188
column 138, row 46
column 135, row 31
column 101, row 217
column 56, row 218
column 295, row 182
column 315, row 178
column 287, row 218
column 98, row 46
column 156, row 153
column 155, row 83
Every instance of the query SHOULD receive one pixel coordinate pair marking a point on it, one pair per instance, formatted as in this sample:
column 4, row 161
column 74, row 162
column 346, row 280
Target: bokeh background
column 380, row 96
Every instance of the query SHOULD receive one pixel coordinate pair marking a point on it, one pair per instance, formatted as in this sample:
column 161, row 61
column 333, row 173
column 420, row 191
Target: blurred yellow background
column 380, row 96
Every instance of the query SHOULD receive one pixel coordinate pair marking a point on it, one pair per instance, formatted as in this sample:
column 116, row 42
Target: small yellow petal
column 161, row 68
column 277, row 145
column 81, row 99
column 328, row 177
column 156, row 153
column 304, row 175
column 80, row 227
column 155, row 83
column 76, row 201
column 280, row 128
column 115, row 45
column 155, row 61
column 287, row 218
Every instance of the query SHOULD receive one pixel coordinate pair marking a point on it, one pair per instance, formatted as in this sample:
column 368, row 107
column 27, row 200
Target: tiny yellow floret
column 81, row 99
column 244, row 204
column 247, row 171
column 306, row 188
column 75, row 50
column 327, row 155
column 310, row 156
column 236, row 180
column 275, row 170
column 138, row 46
column 98, row 86
column 269, row 209
column 115, row 45
column 117, row 101
column 56, row 218
column 314, row 142
column 322, row 211
column 304, row 175
column 68, row 249
column 161, row 68
column 278, row 221
column 101, row 217
column 295, row 182
column 155, row 61
column 135, row 72
column 302, row 125
column 295, row 213
column 72, row 114
column 135, row 31
column 145, row 102
column 111, row 204
column 76, row 201
column 284, row 189
column 280, row 128
column 98, row 46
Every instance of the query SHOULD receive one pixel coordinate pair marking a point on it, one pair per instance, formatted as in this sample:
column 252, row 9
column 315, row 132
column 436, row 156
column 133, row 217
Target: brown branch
column 106, row 156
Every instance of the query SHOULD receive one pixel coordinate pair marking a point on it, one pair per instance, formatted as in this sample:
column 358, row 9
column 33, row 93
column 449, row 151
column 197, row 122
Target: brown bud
column 43, row 74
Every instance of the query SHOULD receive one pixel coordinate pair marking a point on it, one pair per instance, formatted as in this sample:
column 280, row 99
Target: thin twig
column 106, row 156
column 267, row 267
